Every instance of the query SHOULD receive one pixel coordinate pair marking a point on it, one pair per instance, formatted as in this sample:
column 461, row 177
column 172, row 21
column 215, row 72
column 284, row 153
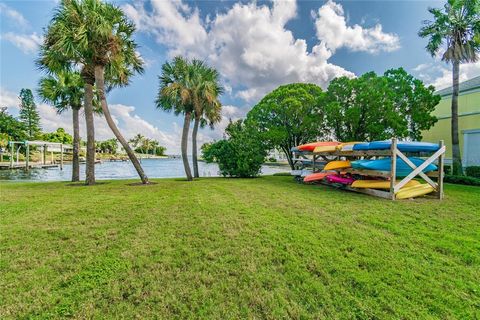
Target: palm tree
column 207, row 107
column 176, row 94
column 456, row 30
column 97, row 37
column 63, row 50
column 65, row 90
column 137, row 141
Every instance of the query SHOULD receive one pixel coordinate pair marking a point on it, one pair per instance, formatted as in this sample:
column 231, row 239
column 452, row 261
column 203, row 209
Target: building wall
column 469, row 119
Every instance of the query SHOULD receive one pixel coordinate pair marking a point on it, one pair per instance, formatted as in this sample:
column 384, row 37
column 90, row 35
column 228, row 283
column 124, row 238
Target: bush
column 272, row 159
column 473, row 171
column 469, row 181
column 240, row 155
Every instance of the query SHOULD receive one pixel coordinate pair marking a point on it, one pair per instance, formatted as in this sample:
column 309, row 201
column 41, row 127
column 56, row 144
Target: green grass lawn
column 235, row 248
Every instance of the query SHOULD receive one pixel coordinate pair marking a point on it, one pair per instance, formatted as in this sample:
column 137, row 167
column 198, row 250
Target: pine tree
column 28, row 113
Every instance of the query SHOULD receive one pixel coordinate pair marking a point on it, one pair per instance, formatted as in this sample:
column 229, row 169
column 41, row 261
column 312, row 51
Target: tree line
column 88, row 50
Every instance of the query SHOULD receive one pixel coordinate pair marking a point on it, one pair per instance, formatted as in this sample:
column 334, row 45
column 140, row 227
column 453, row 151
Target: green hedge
column 471, row 181
column 473, row 171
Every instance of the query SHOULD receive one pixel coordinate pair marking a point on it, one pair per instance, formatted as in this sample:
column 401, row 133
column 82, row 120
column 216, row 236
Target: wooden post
column 313, row 164
column 440, row 172
column 61, row 156
column 44, row 155
column 27, row 156
column 393, row 167
column 18, row 153
column 11, row 154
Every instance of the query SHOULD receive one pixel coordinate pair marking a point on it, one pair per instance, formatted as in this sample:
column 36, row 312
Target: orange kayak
column 311, row 146
column 316, row 176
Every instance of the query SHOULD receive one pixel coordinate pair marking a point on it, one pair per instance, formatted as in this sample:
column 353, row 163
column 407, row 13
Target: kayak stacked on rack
column 370, row 173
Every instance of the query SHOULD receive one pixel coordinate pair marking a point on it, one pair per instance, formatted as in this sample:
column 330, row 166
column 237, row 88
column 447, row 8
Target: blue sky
column 255, row 46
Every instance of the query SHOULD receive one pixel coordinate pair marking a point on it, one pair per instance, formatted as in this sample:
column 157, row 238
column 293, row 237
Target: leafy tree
column 413, row 100
column 107, row 146
column 289, row 116
column 241, row 154
column 455, row 31
column 13, row 128
column 4, row 139
column 207, row 107
column 60, row 136
column 65, row 90
column 176, row 93
column 374, row 107
column 29, row 113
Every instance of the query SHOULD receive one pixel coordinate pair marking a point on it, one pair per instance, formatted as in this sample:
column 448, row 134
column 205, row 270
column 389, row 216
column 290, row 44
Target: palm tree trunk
column 186, row 127
column 88, row 106
column 76, row 146
column 100, row 84
column 457, row 159
column 194, row 147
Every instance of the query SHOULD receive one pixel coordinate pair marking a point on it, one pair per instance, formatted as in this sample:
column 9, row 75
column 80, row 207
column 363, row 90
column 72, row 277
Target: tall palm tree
column 97, row 37
column 455, row 30
column 63, row 49
column 207, row 107
column 65, row 90
column 176, row 94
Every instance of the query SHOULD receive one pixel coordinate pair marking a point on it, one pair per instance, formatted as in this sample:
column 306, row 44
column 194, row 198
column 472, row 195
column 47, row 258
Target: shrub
column 473, row 171
column 470, row 181
column 240, row 155
column 272, row 159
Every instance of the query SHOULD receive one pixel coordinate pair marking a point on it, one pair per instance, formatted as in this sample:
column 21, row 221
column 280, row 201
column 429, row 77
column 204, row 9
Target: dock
column 7, row 166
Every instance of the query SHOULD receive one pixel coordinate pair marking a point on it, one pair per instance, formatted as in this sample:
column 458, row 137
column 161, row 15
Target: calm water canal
column 154, row 168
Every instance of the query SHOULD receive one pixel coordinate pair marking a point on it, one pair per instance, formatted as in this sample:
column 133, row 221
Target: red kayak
column 316, row 176
column 313, row 145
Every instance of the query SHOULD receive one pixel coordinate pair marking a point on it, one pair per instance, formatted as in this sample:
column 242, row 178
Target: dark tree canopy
column 289, row 116
column 374, row 107
column 28, row 113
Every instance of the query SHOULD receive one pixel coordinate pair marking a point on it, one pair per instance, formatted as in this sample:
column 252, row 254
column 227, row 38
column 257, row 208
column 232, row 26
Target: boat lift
column 15, row 146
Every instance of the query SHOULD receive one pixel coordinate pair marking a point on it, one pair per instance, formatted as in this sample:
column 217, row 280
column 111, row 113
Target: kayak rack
column 433, row 178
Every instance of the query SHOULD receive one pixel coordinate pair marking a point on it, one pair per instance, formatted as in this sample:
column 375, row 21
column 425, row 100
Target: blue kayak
column 406, row 146
column 403, row 169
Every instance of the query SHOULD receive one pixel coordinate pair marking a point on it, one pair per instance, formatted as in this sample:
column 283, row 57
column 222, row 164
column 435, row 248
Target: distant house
column 468, row 121
column 277, row 155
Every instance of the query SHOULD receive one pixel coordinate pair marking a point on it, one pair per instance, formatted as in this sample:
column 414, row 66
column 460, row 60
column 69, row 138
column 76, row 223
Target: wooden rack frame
column 393, row 153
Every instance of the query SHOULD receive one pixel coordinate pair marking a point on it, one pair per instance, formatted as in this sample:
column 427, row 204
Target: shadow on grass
column 135, row 184
column 82, row 184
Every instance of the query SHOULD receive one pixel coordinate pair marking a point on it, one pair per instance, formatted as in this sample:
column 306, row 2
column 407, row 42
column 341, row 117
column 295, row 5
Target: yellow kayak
column 325, row 149
column 415, row 191
column 333, row 165
column 380, row 184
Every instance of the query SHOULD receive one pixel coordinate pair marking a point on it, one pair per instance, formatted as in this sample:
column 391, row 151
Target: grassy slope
column 230, row 248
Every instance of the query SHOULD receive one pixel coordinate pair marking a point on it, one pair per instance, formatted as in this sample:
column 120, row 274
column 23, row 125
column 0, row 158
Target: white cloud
column 439, row 74
column 249, row 44
column 8, row 99
column 124, row 116
column 26, row 43
column 332, row 30
column 13, row 15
